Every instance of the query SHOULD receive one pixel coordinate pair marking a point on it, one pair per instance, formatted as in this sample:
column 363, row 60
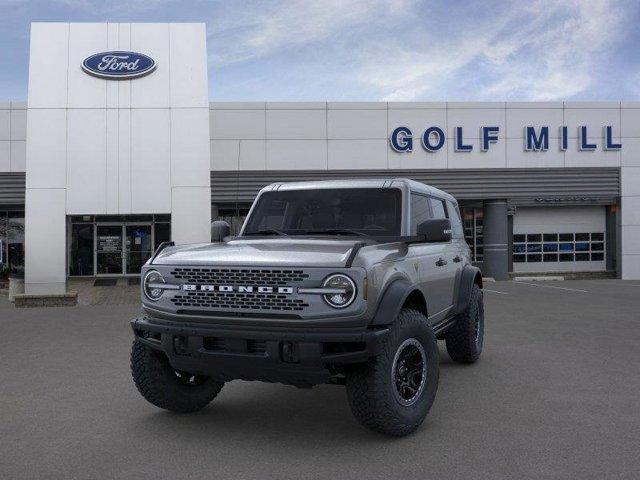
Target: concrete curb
column 69, row 299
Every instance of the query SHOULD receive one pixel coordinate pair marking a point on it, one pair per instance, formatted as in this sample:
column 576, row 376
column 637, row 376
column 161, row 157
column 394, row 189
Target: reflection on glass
column 81, row 249
column 138, row 246
column 109, row 249
column 15, row 241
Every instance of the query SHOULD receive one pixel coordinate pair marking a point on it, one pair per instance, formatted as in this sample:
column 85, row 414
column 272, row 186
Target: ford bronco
column 343, row 282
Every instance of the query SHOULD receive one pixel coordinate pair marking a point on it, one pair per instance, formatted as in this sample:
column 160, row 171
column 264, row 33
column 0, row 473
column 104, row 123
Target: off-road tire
column 370, row 386
column 160, row 385
column 463, row 344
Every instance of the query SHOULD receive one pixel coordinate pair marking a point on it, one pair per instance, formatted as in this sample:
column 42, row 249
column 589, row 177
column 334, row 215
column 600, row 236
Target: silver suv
column 343, row 282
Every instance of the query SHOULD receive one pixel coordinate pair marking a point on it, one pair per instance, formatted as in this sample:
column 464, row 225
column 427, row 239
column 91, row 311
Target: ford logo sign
column 118, row 65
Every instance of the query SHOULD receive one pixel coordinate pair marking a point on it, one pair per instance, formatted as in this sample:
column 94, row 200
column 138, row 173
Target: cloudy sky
column 378, row 49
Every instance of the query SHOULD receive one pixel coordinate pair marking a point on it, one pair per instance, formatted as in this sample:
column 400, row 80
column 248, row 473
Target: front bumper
column 285, row 355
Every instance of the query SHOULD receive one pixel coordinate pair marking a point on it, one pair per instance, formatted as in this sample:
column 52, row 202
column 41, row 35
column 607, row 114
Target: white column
column 45, row 241
column 630, row 229
column 630, row 191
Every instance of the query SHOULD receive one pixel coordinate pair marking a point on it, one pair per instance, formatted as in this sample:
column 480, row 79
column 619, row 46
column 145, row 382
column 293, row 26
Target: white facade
column 92, row 146
column 347, row 136
column 13, row 136
column 355, row 135
column 98, row 146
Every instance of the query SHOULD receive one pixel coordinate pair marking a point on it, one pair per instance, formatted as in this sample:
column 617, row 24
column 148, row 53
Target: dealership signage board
column 535, row 139
column 118, row 65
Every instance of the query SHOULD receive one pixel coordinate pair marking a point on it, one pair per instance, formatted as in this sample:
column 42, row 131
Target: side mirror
column 435, row 230
column 219, row 230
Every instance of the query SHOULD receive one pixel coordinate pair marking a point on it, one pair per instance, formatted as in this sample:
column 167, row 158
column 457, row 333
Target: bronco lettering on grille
column 237, row 288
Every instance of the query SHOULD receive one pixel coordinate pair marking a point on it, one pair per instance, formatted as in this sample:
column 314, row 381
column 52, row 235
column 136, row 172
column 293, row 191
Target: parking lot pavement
column 555, row 395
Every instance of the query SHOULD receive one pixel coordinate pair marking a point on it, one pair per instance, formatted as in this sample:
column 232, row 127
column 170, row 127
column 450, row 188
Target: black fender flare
column 469, row 276
column 392, row 300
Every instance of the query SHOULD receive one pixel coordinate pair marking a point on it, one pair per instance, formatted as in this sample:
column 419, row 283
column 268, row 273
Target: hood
column 261, row 252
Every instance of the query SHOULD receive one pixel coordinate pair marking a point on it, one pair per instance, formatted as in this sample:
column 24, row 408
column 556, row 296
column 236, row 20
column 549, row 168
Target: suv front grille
column 242, row 301
column 237, row 276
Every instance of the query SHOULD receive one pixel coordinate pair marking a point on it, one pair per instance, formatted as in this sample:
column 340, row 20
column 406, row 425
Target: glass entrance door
column 109, row 259
column 138, row 247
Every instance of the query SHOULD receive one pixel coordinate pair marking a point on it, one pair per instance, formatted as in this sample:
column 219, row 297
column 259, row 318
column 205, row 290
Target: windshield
column 330, row 211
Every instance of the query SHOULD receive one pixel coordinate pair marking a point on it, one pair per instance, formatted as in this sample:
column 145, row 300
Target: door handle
column 441, row 262
column 457, row 259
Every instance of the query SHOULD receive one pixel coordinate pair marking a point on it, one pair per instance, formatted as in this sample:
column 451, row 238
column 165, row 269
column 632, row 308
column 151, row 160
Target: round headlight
column 150, row 285
column 344, row 290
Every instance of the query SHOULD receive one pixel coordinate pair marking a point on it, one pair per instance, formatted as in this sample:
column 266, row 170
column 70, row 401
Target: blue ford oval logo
column 118, row 65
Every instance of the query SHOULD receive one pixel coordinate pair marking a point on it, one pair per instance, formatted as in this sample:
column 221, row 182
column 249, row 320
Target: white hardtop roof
column 361, row 183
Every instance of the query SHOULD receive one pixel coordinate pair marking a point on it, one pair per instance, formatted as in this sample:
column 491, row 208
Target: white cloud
column 243, row 34
column 546, row 51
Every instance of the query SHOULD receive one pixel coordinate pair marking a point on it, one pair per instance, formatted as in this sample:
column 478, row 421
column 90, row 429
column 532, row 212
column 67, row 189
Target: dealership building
column 117, row 148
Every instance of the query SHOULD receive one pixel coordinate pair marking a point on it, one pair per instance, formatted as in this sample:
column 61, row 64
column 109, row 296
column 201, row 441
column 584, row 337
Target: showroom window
column 11, row 242
column 472, row 222
column 558, row 247
column 234, row 215
column 114, row 244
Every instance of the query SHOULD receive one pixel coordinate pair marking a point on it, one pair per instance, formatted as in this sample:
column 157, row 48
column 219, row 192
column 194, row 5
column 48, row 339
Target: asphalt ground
column 556, row 394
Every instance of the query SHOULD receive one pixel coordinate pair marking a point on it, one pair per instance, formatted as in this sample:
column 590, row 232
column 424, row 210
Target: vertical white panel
column 18, row 156
column 112, row 44
column 124, row 86
column 112, row 162
column 356, row 124
column 252, row 155
column 124, row 161
column 191, row 215
column 5, row 124
column 357, row 154
column 630, row 230
column 5, row 156
column 630, row 154
column 224, row 154
column 152, row 91
column 86, row 161
column 188, row 53
column 18, row 124
column 296, row 124
column 630, row 269
column 48, row 60
column 296, row 154
column 150, row 161
column 45, row 241
column 47, row 148
column 190, row 165
column 237, row 124
column 86, row 91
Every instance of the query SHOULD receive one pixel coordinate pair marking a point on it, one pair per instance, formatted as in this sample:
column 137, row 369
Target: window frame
column 427, row 198
column 460, row 234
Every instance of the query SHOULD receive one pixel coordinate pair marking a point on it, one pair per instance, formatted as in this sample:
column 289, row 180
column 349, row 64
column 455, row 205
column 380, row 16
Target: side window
column 438, row 208
column 419, row 211
column 456, row 222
